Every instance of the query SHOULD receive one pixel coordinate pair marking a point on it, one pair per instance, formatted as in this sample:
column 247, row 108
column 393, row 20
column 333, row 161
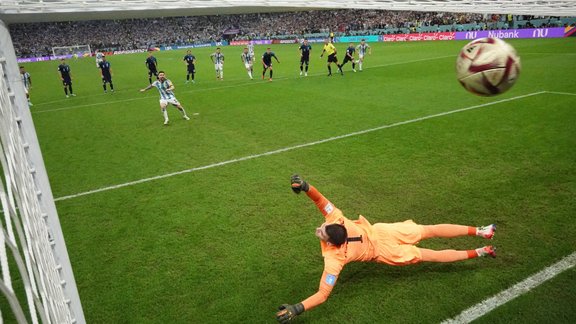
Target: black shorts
column 107, row 78
column 332, row 58
column 267, row 65
column 66, row 81
column 305, row 59
column 152, row 72
column 191, row 68
column 347, row 59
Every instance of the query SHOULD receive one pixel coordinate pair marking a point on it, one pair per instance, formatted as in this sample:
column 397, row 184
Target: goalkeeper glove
column 298, row 184
column 288, row 312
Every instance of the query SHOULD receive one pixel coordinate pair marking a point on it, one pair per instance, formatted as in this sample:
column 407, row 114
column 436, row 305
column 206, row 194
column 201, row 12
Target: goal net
column 71, row 51
column 36, row 280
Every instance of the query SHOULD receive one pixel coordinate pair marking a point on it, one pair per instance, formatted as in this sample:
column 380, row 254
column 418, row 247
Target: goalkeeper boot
column 486, row 251
column 486, row 232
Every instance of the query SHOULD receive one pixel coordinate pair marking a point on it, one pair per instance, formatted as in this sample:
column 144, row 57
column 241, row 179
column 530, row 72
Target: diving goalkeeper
column 343, row 240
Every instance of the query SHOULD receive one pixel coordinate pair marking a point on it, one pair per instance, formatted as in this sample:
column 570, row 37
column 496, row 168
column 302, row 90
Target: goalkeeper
column 343, row 240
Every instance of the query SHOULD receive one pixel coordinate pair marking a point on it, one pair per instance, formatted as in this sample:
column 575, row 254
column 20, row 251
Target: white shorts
column 360, row 56
column 248, row 65
column 218, row 66
column 98, row 62
column 165, row 102
column 26, row 90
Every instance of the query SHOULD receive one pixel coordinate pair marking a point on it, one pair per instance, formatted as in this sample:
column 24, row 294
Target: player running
column 349, row 57
column 330, row 49
column 343, row 241
column 362, row 49
column 152, row 65
column 27, row 82
column 106, row 73
column 267, row 62
column 218, row 60
column 304, row 49
column 190, row 61
column 248, row 60
column 166, row 89
column 66, row 77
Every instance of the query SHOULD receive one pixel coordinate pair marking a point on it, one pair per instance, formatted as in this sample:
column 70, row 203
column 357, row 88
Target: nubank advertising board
column 513, row 33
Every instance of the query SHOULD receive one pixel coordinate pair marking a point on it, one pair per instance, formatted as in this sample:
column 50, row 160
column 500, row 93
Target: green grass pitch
column 230, row 243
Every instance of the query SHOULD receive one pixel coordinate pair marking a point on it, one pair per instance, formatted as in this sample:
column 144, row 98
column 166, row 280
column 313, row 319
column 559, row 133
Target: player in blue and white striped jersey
column 166, row 89
column 218, row 60
column 27, row 81
column 362, row 49
column 248, row 60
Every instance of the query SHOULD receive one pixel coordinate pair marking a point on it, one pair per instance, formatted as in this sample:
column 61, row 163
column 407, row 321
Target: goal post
column 30, row 232
column 74, row 50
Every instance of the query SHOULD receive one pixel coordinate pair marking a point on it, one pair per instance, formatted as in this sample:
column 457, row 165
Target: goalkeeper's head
column 335, row 234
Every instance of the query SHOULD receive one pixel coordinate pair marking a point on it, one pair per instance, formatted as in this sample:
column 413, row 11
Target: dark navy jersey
column 305, row 49
column 189, row 58
column 64, row 70
column 267, row 58
column 151, row 63
column 105, row 67
column 351, row 50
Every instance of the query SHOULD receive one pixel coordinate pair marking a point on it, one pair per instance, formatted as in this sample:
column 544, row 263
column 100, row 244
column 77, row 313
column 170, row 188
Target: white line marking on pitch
column 551, row 53
column 562, row 93
column 221, row 87
column 290, row 148
column 518, row 289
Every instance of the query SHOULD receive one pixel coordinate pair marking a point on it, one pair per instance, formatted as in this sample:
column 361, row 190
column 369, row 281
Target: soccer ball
column 487, row 66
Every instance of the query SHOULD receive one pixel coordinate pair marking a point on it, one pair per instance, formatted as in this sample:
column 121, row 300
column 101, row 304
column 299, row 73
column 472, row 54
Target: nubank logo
column 503, row 34
column 540, row 33
column 471, row 35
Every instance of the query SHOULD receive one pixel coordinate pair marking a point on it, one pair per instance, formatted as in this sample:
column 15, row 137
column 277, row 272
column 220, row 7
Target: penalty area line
column 511, row 293
column 291, row 148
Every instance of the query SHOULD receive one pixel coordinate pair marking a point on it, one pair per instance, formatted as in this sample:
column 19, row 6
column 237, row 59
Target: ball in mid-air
column 487, row 66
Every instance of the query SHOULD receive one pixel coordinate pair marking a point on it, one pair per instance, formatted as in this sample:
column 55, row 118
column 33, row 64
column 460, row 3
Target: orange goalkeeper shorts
column 395, row 242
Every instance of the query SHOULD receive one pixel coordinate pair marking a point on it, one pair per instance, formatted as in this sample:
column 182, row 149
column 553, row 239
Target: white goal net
column 36, row 276
column 71, row 51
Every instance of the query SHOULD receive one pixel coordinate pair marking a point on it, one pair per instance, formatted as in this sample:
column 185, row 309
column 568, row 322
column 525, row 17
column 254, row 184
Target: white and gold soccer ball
column 487, row 66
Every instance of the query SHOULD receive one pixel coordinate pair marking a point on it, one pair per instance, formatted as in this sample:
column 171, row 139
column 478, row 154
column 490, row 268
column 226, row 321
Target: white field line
column 248, row 83
column 518, row 289
column 562, row 93
column 290, row 148
column 548, row 53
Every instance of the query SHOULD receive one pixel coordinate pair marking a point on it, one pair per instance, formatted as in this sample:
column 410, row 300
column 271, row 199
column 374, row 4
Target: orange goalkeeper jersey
column 390, row 243
column 359, row 247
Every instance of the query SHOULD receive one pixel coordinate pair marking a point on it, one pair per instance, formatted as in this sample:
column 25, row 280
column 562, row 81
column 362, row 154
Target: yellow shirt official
column 329, row 49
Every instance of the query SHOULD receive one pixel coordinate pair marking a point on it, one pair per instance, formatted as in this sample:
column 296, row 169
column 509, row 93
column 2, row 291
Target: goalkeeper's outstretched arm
column 298, row 185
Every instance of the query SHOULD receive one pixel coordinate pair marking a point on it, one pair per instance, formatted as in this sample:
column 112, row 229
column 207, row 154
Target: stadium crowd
column 37, row 39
